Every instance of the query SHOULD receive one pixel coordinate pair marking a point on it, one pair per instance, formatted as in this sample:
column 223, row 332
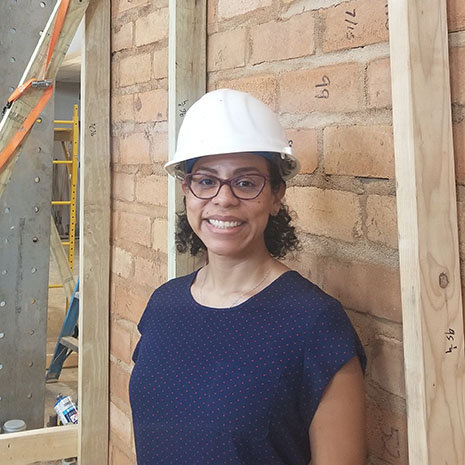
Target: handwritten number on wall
column 323, row 87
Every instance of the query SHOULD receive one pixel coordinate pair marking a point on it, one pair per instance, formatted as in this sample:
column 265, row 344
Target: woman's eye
column 245, row 182
column 206, row 181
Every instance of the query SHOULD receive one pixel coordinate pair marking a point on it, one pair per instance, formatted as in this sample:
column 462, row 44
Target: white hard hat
column 228, row 121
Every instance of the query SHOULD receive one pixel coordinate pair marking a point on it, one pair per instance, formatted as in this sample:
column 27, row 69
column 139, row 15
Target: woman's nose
column 225, row 196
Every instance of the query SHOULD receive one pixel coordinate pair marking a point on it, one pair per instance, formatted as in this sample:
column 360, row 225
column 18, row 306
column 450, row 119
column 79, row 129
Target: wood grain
column 39, row 445
column 428, row 234
column 187, row 83
column 94, row 267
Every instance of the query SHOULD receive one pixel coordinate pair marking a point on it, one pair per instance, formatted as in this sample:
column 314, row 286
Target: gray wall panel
column 24, row 230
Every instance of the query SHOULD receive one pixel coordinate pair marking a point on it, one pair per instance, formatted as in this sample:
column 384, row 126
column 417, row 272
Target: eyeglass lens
column 244, row 187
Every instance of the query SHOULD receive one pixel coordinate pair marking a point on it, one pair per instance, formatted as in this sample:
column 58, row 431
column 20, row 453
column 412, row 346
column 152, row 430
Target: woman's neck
column 226, row 282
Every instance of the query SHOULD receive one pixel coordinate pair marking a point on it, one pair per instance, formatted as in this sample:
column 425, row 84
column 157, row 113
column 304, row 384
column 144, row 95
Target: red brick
column 129, row 305
column 135, row 228
column 226, row 49
column 120, row 341
column 381, row 220
column 160, row 63
column 135, row 149
column 457, row 81
column 121, row 37
column 228, row 9
column 120, row 424
column 122, row 263
column 284, row 39
column 456, row 15
column 151, row 106
column 119, row 382
column 387, row 365
column 160, row 234
column 305, row 146
column 328, row 213
column 152, row 28
column 150, row 272
column 330, row 88
column 159, row 147
column 135, row 69
column 366, row 151
column 212, row 16
column 263, row 87
column 371, row 26
column 122, row 186
column 122, row 108
column 152, row 190
column 124, row 5
column 365, row 287
column 386, row 432
column 379, row 84
column 459, row 151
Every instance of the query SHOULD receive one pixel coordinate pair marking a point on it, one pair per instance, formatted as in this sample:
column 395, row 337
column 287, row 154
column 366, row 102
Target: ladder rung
column 61, row 202
column 70, row 342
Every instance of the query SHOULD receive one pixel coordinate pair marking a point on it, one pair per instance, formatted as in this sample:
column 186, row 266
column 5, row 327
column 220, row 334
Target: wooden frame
column 89, row 439
column 428, row 234
column 187, row 83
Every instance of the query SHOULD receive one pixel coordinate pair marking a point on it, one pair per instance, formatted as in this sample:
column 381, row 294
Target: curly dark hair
column 280, row 236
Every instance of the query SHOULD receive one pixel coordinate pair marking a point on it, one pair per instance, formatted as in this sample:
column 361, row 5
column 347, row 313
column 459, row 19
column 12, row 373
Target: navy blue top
column 235, row 385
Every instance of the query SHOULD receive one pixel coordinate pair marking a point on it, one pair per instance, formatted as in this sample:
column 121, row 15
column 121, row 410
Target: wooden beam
column 15, row 116
column 187, row 83
column 41, row 445
column 94, row 267
column 428, row 235
column 61, row 258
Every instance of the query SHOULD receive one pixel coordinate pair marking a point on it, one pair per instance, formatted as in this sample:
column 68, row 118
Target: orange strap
column 60, row 19
column 20, row 90
column 25, row 127
column 35, row 112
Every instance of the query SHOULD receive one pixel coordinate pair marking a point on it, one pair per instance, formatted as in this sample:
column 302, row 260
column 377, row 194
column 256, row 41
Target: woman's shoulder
column 300, row 287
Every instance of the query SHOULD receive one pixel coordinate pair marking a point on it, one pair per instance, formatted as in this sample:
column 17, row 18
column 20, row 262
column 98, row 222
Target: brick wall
column 139, row 191
column 323, row 65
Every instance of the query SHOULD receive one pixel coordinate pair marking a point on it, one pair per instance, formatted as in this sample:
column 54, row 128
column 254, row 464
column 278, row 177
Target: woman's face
column 227, row 225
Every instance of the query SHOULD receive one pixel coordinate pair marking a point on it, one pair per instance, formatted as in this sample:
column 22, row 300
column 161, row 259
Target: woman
column 244, row 361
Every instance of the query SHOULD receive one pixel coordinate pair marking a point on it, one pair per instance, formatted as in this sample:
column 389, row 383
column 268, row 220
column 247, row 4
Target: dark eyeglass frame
column 226, row 182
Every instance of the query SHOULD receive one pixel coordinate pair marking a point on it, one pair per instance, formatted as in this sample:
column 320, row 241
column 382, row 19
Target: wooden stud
column 41, row 445
column 94, row 267
column 428, row 234
column 187, row 83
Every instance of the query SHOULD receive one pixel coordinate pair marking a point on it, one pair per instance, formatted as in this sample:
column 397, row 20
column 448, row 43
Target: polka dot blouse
column 240, row 385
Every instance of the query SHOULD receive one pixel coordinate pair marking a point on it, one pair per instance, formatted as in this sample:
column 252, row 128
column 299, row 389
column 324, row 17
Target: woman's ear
column 278, row 196
column 184, row 187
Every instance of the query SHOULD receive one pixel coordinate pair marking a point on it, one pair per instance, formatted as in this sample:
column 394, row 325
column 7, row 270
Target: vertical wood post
column 428, row 237
column 187, row 83
column 95, row 237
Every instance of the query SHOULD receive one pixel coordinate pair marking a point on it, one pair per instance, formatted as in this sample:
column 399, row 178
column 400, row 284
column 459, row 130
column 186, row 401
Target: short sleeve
column 142, row 324
column 332, row 342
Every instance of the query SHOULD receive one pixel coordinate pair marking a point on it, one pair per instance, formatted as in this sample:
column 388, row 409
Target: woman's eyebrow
column 236, row 171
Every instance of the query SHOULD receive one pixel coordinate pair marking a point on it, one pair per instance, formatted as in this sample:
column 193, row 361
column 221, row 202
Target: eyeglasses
column 243, row 187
